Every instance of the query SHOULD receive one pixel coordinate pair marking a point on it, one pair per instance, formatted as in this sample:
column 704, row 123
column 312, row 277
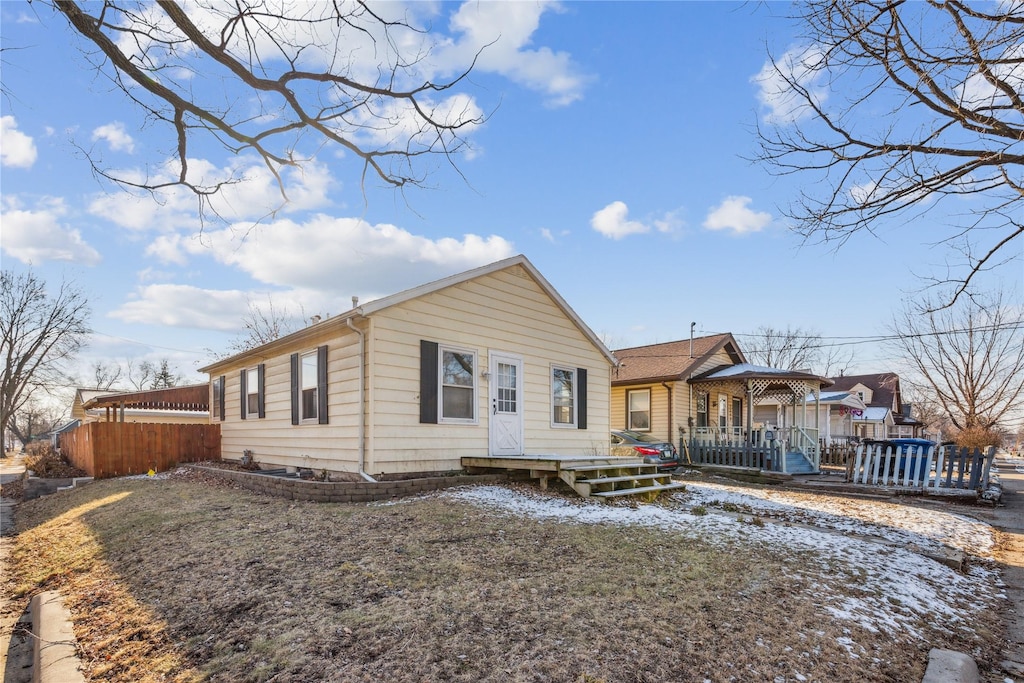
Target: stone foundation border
column 346, row 491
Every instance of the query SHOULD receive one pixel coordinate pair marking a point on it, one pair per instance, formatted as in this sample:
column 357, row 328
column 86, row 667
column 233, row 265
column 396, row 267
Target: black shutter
column 220, row 395
column 321, row 383
column 260, row 386
column 581, row 398
column 428, row 382
column 295, row 388
column 244, row 397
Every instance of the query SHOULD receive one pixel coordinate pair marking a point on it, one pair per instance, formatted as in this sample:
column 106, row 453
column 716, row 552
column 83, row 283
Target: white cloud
column 979, row 93
column 35, row 235
column 254, row 197
column 503, row 31
column 803, row 66
column 17, row 150
column 114, row 134
column 336, row 256
column 733, row 214
column 185, row 306
column 612, row 221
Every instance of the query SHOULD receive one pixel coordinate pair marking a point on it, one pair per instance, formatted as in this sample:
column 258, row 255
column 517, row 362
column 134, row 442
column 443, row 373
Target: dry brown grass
column 184, row 580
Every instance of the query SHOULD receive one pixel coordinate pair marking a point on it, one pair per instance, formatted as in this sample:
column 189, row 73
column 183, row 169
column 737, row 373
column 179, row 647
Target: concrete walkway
column 1008, row 518
column 15, row 650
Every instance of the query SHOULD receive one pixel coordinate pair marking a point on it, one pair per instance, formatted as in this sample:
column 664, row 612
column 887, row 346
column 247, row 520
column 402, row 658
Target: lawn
column 181, row 578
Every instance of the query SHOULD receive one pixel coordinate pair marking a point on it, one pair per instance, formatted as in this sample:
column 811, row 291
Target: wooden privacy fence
column 114, row 449
column 946, row 467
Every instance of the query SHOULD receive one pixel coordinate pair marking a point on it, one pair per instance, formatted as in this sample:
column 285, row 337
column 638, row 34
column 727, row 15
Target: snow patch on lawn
column 883, row 585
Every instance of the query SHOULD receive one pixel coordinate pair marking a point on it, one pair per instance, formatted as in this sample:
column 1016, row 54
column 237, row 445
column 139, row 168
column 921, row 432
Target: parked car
column 632, row 444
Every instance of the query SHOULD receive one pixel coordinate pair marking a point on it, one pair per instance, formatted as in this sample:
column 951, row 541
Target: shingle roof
column 883, row 385
column 670, row 360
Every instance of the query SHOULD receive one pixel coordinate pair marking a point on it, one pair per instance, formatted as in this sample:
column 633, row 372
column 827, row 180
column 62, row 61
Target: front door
column 506, row 404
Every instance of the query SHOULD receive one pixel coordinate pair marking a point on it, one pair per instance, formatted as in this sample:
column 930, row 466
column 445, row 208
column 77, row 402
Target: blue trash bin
column 915, row 462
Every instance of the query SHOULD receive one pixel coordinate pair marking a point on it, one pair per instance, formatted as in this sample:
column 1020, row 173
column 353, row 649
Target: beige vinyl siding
column 504, row 311
column 661, row 422
column 274, row 440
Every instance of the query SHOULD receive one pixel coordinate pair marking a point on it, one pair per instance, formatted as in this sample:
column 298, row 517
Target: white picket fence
column 931, row 467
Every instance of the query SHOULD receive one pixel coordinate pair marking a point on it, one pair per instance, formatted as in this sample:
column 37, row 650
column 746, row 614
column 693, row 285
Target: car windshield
column 643, row 438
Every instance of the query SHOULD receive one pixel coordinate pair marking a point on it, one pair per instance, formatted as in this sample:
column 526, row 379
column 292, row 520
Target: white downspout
column 362, row 404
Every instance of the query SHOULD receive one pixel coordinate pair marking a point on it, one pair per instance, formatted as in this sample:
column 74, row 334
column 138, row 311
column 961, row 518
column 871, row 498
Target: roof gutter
column 362, row 403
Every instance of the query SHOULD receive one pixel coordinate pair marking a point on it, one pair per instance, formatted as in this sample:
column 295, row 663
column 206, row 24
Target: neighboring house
column 488, row 362
column 651, row 391
column 188, row 404
column 886, row 415
column 838, row 412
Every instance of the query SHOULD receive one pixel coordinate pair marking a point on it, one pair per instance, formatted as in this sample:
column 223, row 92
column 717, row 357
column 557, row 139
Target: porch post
column 750, row 410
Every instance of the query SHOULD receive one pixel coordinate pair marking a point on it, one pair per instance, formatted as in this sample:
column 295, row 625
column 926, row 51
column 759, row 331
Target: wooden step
column 636, row 491
column 630, row 477
column 594, row 468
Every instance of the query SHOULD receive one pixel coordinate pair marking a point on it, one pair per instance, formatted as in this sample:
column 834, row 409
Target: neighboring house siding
column 505, row 311
column 273, row 439
column 661, row 422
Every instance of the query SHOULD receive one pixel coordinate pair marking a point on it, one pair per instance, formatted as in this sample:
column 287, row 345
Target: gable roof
column 371, row 307
column 885, row 387
column 671, row 360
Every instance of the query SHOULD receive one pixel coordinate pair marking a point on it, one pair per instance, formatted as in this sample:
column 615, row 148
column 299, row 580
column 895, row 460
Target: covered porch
column 792, row 446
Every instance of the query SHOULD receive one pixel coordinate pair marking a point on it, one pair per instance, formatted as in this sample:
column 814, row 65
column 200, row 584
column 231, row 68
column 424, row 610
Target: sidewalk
column 1008, row 518
column 16, row 656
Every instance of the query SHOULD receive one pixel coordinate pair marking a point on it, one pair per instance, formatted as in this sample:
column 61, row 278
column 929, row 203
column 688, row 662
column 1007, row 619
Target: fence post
column 988, row 466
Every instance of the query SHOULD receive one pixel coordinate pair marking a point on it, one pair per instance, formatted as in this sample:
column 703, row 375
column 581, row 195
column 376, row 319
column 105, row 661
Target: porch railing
column 736, row 453
column 946, row 467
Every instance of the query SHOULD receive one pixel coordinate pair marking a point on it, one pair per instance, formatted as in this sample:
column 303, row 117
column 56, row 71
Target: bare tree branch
column 301, row 73
column 932, row 109
column 967, row 359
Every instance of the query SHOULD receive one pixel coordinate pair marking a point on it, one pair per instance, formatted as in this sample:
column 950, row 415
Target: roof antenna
column 692, row 325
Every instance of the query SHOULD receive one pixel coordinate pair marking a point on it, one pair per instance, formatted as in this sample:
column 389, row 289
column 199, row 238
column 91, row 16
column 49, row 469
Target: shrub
column 45, row 462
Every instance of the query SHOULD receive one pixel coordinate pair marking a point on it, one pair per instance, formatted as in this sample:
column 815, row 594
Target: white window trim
column 316, row 385
column 217, row 390
column 252, row 387
column 575, row 397
column 629, row 409
column 441, row 419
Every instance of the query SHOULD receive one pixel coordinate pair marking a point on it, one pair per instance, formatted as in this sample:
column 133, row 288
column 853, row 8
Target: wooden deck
column 603, row 477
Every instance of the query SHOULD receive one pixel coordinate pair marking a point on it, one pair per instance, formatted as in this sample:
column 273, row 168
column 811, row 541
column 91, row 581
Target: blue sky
column 615, row 157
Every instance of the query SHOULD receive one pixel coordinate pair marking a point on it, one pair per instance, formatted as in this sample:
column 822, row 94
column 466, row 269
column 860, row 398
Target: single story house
column 702, row 394
column 651, row 391
column 492, row 361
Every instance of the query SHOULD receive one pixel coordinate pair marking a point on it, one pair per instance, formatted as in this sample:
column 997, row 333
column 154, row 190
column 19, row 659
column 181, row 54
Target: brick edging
column 346, row 491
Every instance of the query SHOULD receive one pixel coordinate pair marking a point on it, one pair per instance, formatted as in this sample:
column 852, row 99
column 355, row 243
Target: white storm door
column 506, row 404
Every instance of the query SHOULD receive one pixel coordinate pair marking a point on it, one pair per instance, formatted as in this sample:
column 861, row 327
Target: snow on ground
column 881, row 585
column 928, row 529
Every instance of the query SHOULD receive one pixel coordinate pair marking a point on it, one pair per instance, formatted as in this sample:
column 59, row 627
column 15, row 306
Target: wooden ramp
column 604, row 477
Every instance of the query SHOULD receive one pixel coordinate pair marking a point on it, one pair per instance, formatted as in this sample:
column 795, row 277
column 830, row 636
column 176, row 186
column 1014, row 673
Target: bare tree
column 262, row 324
column 36, row 418
column 39, row 332
column 795, row 349
column 280, row 81
column 932, row 109
column 105, row 375
column 967, row 358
